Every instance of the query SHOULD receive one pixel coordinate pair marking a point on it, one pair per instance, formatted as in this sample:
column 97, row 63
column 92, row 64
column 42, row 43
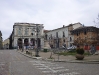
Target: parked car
column 71, row 48
column 63, row 47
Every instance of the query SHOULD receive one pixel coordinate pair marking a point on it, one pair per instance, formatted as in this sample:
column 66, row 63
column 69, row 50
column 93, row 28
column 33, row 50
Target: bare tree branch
column 96, row 22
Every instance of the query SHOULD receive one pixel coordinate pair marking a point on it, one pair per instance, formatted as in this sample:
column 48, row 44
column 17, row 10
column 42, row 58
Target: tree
column 96, row 22
column 97, row 25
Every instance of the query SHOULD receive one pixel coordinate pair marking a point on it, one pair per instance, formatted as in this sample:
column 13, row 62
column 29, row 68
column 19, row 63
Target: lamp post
column 37, row 31
column 22, row 41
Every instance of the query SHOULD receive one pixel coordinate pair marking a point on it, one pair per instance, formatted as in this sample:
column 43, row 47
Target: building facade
column 61, row 36
column 10, row 41
column 6, row 44
column 86, row 36
column 1, row 43
column 25, row 34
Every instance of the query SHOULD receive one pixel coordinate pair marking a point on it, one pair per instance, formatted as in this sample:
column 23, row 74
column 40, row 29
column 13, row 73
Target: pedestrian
column 93, row 49
column 18, row 48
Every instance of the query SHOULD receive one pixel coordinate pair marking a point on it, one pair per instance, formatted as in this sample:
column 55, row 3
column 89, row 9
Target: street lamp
column 37, row 31
column 22, row 41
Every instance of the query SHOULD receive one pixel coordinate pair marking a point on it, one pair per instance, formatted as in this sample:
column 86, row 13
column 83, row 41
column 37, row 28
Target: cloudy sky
column 52, row 13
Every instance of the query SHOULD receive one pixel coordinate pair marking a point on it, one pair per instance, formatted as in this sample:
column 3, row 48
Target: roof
column 25, row 24
column 87, row 28
column 66, row 26
column 45, row 31
column 84, row 27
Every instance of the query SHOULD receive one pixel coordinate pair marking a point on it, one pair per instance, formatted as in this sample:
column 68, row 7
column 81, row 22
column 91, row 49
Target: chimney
column 63, row 26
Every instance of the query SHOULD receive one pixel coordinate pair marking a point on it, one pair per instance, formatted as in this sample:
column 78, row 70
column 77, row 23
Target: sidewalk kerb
column 69, row 61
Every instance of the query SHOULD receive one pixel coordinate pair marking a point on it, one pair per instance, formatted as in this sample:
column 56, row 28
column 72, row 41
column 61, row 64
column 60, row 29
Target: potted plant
column 45, row 50
column 80, row 53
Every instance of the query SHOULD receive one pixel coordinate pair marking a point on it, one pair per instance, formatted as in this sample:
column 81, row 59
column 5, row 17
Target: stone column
column 35, row 42
column 29, row 41
column 22, row 40
column 22, row 43
column 15, row 43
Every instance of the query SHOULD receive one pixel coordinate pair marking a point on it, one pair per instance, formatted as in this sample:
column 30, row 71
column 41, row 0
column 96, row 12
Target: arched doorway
column 19, row 43
column 26, row 42
column 32, row 42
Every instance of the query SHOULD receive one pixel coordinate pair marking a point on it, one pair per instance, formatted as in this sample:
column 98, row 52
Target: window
column 26, row 31
column 63, row 34
column 51, row 36
column 45, row 36
column 20, row 31
column 77, row 34
column 70, row 44
column 70, row 39
column 64, row 40
column 85, row 32
column 33, row 30
column 32, row 34
column 57, row 34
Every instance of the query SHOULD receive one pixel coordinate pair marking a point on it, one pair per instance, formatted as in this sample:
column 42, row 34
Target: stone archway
column 26, row 42
column 32, row 42
column 19, row 41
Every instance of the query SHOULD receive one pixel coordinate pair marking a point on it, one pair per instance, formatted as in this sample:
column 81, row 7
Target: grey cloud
column 52, row 13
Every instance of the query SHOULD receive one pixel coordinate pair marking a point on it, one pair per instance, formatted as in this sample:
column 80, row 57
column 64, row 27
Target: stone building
column 10, row 41
column 1, row 44
column 62, row 36
column 86, row 36
column 46, row 42
column 25, row 34
column 6, row 44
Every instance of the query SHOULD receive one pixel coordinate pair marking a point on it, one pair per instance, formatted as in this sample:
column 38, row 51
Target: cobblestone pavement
column 4, row 68
column 51, row 68
column 14, row 63
column 75, row 68
column 81, row 68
